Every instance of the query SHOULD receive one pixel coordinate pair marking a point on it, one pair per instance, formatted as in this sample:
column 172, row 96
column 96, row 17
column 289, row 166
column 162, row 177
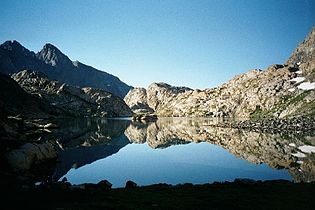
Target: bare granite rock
column 77, row 101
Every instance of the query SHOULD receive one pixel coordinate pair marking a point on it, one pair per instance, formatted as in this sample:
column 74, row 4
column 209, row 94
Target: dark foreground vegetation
column 235, row 195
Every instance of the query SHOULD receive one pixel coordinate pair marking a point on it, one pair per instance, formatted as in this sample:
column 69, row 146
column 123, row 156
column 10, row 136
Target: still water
column 175, row 151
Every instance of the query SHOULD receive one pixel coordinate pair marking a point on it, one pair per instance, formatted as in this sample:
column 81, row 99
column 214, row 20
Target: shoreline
column 240, row 194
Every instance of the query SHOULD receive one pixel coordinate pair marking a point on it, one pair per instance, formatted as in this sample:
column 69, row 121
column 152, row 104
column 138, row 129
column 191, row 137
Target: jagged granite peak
column 53, row 56
column 57, row 66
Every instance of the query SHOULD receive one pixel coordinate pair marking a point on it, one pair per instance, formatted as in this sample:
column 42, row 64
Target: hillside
column 279, row 91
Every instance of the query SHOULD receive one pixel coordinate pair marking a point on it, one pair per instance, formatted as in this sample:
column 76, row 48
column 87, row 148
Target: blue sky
column 192, row 43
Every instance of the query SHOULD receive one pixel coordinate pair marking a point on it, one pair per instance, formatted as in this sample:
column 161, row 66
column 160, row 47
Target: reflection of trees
column 272, row 149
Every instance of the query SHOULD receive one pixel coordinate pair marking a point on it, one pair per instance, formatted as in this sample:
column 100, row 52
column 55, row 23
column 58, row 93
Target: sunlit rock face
column 276, row 150
column 76, row 101
column 278, row 91
column 136, row 99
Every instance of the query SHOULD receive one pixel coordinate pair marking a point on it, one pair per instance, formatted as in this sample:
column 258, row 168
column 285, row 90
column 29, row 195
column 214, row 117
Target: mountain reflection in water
column 177, row 150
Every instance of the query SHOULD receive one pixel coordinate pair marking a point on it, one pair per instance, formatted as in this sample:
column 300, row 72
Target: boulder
column 130, row 184
column 105, row 184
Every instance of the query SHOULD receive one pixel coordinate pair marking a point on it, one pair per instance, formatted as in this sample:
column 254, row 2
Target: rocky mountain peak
column 304, row 56
column 53, row 56
column 10, row 44
column 305, row 51
column 14, row 46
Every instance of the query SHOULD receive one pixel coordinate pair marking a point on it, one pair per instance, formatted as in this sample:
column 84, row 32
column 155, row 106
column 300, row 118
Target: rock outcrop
column 137, row 101
column 30, row 154
column 141, row 100
column 279, row 91
column 74, row 100
column 57, row 66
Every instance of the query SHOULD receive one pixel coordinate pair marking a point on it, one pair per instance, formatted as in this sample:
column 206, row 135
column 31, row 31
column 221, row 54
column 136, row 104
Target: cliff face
column 279, row 91
column 137, row 100
column 73, row 100
column 57, row 66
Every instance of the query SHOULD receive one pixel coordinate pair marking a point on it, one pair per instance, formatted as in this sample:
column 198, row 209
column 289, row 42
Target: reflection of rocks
column 144, row 118
column 137, row 132
column 87, row 140
column 30, row 154
column 272, row 149
column 79, row 156
column 89, row 132
column 77, row 142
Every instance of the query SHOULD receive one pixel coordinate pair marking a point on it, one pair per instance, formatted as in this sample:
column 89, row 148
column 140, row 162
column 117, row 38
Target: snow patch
column 37, row 183
column 299, row 72
column 292, row 145
column 299, row 162
column 291, row 90
column 307, row 149
column 299, row 154
column 307, row 86
column 297, row 79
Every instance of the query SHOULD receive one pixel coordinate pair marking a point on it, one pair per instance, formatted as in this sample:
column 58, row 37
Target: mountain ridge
column 14, row 57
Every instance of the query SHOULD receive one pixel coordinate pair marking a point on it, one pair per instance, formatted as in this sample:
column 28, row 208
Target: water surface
column 179, row 150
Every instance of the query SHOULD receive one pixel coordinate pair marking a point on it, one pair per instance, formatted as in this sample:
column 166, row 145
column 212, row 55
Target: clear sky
column 192, row 43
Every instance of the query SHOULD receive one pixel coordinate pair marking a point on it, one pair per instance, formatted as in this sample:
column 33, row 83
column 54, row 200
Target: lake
column 177, row 151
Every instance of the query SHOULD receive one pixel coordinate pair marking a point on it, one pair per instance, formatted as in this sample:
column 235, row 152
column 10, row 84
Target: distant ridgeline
column 279, row 91
column 57, row 66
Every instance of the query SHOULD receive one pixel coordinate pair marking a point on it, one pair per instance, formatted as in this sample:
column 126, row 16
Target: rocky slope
column 279, row 91
column 304, row 56
column 57, row 66
column 76, row 101
column 19, row 114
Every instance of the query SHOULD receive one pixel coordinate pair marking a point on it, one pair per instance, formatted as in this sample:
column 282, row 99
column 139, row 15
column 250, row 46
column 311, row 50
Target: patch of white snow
column 297, row 79
column 307, row 149
column 292, row 145
column 299, row 154
column 37, row 183
column 307, row 86
column 299, row 72
column 291, row 90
